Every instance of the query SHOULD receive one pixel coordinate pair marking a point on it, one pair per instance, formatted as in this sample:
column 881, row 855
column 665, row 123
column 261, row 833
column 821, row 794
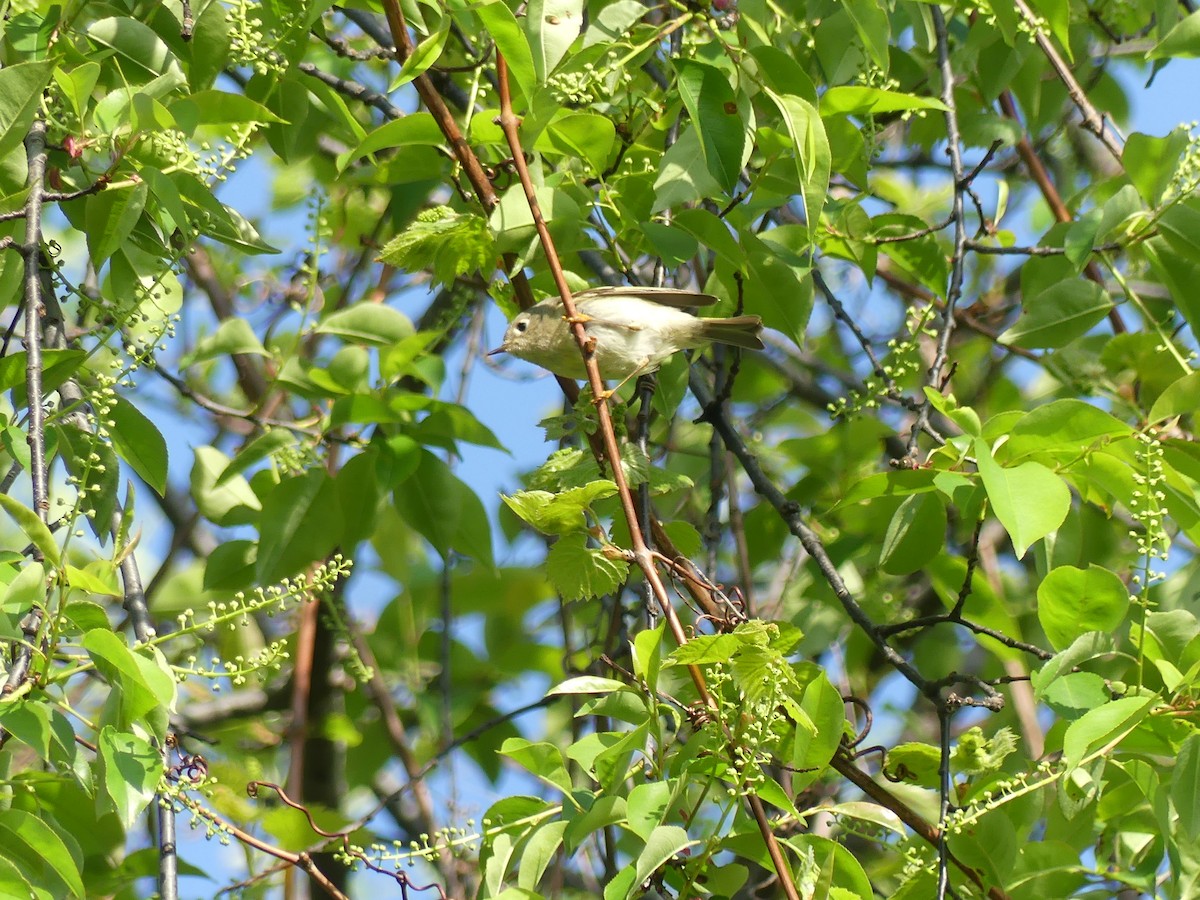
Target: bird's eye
column 521, row 326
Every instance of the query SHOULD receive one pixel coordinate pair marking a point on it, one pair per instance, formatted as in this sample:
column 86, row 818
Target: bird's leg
column 641, row 368
column 645, row 391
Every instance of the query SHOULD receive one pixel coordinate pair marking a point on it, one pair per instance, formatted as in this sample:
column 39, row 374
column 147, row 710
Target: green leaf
column 110, row 218
column 34, row 528
column 713, row 234
column 262, row 447
column 914, row 763
column 212, row 107
column 28, row 722
column 1181, row 42
column 858, row 101
column 512, row 221
column 647, row 806
column 1059, row 314
column 544, row 760
column 57, row 367
column 230, row 567
column 1072, row 602
column 1061, row 429
column 587, row 684
column 1181, row 398
column 915, row 534
column 230, row 502
column 662, row 844
column 143, row 687
column 424, row 55
column 14, row 874
column 98, row 578
column 714, row 110
column 139, row 442
column 449, row 243
column 1075, row 693
column 130, row 771
column 1029, row 500
column 367, row 323
column 49, row 859
column 874, row 30
column 1185, row 787
column 302, row 521
column 444, row 510
column 21, row 88
column 812, row 750
column 613, row 23
column 540, row 850
column 447, row 423
column 552, row 26
column 418, row 129
column 1102, row 727
column 502, row 25
column 233, row 336
column 93, row 462
column 137, row 43
column 30, row 34
column 580, row 135
column 683, row 175
column 1150, row 162
column 217, row 220
column 778, row 288
column 812, row 154
column 209, row 46
column 25, row 592
column 559, row 513
column 579, row 572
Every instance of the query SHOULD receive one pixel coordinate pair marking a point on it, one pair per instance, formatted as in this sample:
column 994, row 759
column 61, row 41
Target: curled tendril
column 868, row 719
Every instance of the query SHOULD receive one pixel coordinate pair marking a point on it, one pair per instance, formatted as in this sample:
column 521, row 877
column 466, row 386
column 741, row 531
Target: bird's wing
column 663, row 296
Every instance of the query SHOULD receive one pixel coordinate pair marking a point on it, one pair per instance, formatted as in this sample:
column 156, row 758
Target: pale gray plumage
column 635, row 328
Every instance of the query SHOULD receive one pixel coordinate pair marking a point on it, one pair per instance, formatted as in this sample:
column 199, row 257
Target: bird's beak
column 500, row 349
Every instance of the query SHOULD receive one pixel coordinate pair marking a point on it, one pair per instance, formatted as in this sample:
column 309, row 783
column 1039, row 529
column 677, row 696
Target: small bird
column 635, row 330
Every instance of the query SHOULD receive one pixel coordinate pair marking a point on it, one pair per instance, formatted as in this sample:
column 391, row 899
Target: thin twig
column 933, row 376
column 354, row 90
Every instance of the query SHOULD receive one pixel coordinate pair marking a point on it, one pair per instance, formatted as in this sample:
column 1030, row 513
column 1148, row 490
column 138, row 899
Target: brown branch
column 302, row 860
column 641, row 552
column 1041, row 177
column 1092, row 120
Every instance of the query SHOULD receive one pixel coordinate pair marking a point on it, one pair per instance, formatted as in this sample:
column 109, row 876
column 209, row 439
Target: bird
column 634, row 329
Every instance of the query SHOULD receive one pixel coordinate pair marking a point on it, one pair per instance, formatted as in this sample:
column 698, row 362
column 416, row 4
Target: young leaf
column 559, row 513
column 579, row 572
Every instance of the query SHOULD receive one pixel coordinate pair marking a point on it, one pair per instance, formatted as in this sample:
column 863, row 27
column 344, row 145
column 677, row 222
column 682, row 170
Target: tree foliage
column 903, row 606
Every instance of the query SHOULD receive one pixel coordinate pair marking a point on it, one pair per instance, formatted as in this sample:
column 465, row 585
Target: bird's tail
column 740, row 331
